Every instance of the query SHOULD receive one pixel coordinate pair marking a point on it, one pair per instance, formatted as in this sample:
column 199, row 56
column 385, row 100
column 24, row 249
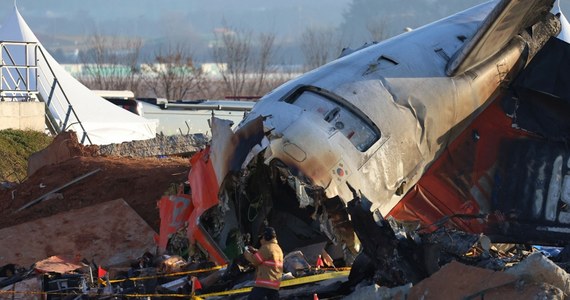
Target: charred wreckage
column 456, row 129
column 395, row 159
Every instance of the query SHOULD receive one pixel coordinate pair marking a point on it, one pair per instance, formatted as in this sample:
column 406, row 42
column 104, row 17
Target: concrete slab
column 111, row 233
column 22, row 115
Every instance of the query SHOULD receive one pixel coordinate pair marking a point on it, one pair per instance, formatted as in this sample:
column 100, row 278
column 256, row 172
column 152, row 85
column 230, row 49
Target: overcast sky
column 155, row 18
column 60, row 23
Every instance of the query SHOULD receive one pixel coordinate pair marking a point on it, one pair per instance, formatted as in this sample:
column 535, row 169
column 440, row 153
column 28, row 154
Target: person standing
column 268, row 261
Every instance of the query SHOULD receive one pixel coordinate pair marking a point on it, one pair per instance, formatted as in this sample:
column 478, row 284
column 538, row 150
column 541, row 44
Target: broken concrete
column 380, row 293
column 110, row 233
column 539, row 269
column 161, row 145
column 459, row 281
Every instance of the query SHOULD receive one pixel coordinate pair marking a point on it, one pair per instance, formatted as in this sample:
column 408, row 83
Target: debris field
column 87, row 226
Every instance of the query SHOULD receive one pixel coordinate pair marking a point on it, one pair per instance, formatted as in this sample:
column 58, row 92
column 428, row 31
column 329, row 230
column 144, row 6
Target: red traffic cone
column 101, row 272
column 196, row 285
column 319, row 263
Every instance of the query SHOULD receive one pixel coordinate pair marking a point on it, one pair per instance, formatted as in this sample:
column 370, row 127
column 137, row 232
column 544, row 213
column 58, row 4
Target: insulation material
column 58, row 264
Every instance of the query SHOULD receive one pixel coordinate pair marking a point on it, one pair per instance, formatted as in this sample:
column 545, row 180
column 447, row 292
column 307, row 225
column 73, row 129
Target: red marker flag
column 196, row 285
column 101, row 272
column 320, row 262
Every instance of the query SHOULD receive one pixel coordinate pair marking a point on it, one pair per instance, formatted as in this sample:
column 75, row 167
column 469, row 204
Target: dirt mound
column 63, row 147
column 140, row 181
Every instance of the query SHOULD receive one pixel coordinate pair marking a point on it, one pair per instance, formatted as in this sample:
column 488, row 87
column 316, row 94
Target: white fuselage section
column 401, row 86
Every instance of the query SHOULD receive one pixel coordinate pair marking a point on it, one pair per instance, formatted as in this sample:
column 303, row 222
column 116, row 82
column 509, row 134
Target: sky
column 65, row 24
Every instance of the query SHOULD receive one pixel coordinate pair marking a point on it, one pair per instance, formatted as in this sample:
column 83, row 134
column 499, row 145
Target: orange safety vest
column 269, row 262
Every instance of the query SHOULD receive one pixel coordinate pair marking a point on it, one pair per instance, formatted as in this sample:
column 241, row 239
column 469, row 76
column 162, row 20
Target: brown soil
column 141, row 182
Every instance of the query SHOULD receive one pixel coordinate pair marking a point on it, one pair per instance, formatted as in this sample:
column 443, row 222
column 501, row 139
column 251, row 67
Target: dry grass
column 15, row 148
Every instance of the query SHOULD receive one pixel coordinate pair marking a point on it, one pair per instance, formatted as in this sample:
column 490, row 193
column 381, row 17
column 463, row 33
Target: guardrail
column 15, row 83
column 28, row 78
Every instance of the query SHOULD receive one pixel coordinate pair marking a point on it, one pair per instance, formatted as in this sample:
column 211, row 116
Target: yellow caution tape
column 168, row 275
column 102, row 294
column 335, row 269
column 285, row 283
column 314, row 278
column 200, row 271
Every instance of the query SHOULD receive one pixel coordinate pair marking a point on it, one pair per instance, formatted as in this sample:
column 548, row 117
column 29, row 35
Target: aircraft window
column 361, row 134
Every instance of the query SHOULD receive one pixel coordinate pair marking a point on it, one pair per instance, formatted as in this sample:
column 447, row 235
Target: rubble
column 380, row 293
column 395, row 254
column 539, row 269
column 293, row 163
column 459, row 281
column 161, row 145
column 29, row 289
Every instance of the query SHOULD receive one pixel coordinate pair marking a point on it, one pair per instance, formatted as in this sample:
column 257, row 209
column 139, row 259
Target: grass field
column 15, row 148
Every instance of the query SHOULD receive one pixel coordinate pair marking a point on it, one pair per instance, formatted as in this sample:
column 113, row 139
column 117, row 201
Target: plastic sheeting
column 104, row 122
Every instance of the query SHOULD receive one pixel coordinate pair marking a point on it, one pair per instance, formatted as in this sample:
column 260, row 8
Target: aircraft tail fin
column 506, row 20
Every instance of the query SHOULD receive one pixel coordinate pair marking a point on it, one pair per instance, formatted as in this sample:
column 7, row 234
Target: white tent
column 103, row 122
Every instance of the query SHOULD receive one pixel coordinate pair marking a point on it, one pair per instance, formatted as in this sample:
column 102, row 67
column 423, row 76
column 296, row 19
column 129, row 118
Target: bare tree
column 266, row 50
column 377, row 30
column 244, row 63
column 173, row 75
column 232, row 56
column 111, row 63
column 319, row 46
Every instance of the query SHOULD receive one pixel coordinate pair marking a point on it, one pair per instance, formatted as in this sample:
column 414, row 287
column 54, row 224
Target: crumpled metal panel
column 496, row 179
column 205, row 187
column 506, row 20
column 174, row 211
column 418, row 109
column 210, row 166
column 229, row 149
column 399, row 92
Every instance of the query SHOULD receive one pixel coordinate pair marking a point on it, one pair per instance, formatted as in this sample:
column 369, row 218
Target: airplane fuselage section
column 377, row 118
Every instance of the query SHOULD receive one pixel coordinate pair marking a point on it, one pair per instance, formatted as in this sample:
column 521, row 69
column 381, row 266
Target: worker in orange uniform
column 268, row 261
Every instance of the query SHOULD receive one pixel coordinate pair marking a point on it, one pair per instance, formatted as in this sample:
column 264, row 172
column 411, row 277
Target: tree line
column 243, row 62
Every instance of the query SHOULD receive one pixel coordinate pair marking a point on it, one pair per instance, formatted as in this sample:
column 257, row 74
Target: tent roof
column 104, row 122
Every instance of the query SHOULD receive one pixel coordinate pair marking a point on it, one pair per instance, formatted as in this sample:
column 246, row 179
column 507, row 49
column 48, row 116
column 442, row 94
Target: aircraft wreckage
column 461, row 123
